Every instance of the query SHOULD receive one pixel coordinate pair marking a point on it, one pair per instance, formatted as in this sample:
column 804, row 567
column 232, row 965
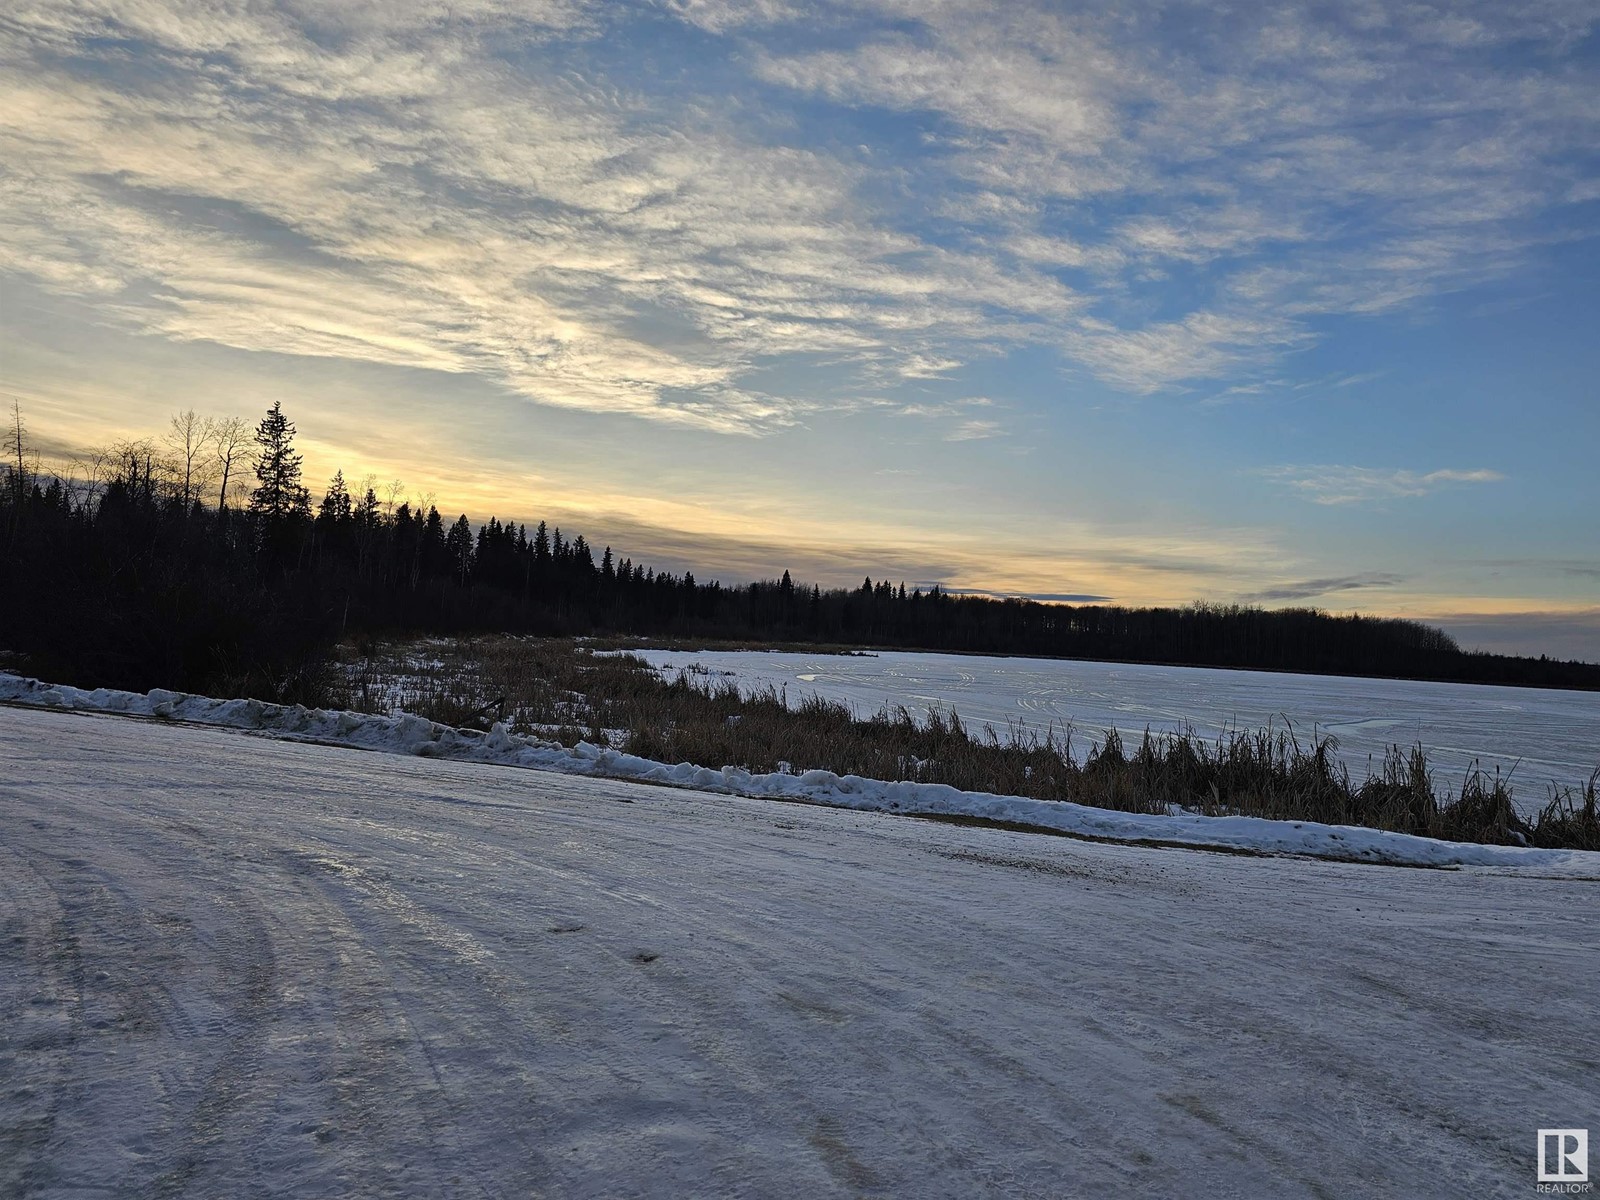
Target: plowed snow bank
column 406, row 734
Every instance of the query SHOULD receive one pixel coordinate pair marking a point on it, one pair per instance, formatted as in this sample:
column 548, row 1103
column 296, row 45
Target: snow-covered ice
column 1543, row 735
column 409, row 734
column 236, row 966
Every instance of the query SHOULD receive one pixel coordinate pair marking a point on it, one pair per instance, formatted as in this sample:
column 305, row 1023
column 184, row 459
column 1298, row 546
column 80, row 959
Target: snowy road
column 237, row 967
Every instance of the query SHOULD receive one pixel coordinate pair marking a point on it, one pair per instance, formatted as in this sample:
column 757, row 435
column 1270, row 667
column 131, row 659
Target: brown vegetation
column 568, row 691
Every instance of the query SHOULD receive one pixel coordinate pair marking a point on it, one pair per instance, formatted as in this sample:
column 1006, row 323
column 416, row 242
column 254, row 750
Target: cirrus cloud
column 1334, row 484
column 546, row 196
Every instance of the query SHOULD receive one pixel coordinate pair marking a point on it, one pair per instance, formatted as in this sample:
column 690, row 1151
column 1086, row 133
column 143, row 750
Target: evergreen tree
column 366, row 512
column 582, row 559
column 335, row 507
column 458, row 548
column 280, row 495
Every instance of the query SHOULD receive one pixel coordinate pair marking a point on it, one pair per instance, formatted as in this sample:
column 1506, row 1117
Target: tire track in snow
column 377, row 1026
column 836, row 1002
column 244, row 957
column 41, row 1008
column 139, row 1000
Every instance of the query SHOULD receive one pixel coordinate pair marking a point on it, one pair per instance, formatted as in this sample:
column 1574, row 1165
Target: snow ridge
column 408, row 734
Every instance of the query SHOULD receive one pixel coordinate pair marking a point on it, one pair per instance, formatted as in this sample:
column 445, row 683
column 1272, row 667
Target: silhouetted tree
column 279, row 496
column 335, row 507
column 187, row 436
column 120, row 582
column 16, row 453
column 227, row 440
column 458, row 548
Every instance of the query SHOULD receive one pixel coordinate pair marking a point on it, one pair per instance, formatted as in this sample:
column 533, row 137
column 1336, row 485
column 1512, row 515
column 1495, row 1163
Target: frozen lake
column 1546, row 736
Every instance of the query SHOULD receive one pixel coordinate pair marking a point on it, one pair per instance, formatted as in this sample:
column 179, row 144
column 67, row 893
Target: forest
column 201, row 560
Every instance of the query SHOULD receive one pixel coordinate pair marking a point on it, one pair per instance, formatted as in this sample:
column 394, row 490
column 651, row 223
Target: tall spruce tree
column 335, row 509
column 279, row 496
column 458, row 548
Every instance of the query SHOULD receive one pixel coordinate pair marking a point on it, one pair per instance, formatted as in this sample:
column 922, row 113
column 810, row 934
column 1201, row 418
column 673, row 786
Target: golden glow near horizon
column 742, row 539
column 1165, row 307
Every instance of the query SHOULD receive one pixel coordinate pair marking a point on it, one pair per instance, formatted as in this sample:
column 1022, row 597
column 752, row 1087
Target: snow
column 1543, row 735
column 233, row 965
column 413, row 735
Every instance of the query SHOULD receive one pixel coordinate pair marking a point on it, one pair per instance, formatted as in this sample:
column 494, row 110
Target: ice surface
column 236, row 966
column 1546, row 736
column 413, row 735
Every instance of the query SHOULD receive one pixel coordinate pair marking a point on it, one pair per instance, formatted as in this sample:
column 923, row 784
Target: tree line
column 202, row 560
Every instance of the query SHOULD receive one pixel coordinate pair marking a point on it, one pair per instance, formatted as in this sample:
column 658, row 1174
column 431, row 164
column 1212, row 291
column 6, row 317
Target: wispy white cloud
column 1314, row 162
column 410, row 197
column 972, row 431
column 1201, row 345
column 1360, row 485
column 466, row 189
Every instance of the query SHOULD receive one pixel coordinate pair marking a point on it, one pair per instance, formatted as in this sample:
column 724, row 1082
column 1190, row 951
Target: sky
column 1149, row 303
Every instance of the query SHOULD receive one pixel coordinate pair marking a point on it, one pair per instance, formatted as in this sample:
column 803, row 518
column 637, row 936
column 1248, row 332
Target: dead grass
column 569, row 692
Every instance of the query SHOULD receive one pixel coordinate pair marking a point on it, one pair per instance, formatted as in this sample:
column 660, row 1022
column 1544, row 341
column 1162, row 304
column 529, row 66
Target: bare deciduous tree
column 187, row 437
column 144, row 475
column 229, row 435
column 87, row 479
column 19, row 459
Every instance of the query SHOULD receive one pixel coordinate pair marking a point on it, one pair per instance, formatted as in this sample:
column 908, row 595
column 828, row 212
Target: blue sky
column 1293, row 304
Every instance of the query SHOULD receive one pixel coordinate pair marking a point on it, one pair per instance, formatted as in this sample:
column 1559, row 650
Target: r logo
column 1563, row 1156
